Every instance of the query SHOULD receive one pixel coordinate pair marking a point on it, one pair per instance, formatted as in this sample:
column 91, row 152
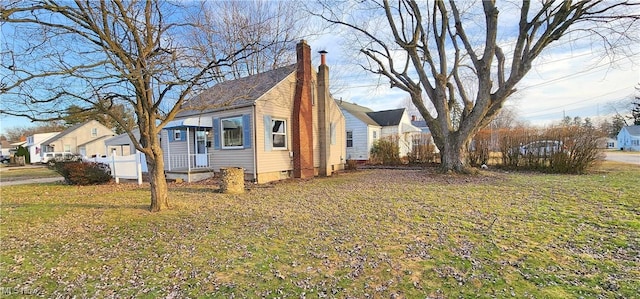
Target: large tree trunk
column 454, row 153
column 157, row 179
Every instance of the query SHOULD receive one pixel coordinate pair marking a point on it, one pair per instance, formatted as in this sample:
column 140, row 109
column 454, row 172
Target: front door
column 201, row 149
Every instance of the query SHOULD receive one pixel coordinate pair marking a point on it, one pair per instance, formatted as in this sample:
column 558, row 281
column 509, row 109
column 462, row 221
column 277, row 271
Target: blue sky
column 573, row 84
column 572, row 79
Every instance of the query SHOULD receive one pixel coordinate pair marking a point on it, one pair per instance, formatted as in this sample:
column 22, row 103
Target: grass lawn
column 370, row 233
column 18, row 173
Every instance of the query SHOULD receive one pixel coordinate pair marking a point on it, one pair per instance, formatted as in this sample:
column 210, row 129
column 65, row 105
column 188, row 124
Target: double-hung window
column 349, row 138
column 232, row 130
column 279, row 133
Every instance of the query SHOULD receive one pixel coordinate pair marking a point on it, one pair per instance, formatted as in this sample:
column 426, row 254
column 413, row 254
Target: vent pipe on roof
column 324, row 121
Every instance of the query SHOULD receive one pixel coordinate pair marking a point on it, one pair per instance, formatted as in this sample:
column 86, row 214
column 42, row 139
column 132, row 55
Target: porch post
column 168, row 149
column 188, row 152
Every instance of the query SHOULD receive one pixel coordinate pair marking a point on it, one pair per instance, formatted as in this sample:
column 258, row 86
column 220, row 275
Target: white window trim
column 222, row 143
column 177, row 134
column 286, row 143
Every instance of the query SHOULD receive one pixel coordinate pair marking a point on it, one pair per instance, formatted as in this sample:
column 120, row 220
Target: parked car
column 52, row 157
column 5, row 159
column 542, row 148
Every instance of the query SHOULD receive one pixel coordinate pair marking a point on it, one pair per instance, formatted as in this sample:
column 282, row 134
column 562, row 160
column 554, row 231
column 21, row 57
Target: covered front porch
column 189, row 154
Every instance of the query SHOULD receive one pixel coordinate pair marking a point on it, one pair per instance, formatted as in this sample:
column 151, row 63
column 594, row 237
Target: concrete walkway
column 32, row 181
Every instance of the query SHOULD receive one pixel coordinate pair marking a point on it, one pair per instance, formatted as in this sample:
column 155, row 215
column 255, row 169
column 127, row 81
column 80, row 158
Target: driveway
column 624, row 157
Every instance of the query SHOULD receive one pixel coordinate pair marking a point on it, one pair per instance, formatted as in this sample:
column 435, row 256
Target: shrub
column 386, row 151
column 580, row 151
column 422, row 149
column 479, row 148
column 83, row 173
column 23, row 152
column 352, row 164
column 558, row 149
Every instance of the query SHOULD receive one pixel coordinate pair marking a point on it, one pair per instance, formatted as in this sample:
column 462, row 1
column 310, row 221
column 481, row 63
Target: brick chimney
column 302, row 115
column 324, row 121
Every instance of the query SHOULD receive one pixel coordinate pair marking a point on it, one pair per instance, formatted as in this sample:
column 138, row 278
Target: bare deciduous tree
column 434, row 48
column 222, row 25
column 140, row 54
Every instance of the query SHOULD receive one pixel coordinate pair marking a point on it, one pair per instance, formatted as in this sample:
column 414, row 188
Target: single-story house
column 275, row 125
column 629, row 138
column 5, row 146
column 34, row 145
column 122, row 144
column 607, row 143
column 365, row 126
column 85, row 139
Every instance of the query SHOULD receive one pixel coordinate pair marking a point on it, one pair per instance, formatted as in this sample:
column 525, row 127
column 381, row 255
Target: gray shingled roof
column 236, row 93
column 65, row 132
column 633, row 130
column 359, row 112
column 387, row 117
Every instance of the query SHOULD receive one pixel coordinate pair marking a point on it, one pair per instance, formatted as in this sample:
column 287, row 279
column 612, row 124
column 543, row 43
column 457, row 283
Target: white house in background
column 5, row 146
column 361, row 130
column 275, row 125
column 364, row 126
column 34, row 145
column 629, row 138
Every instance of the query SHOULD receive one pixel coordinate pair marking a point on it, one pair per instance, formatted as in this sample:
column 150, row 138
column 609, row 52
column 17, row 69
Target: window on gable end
column 279, row 133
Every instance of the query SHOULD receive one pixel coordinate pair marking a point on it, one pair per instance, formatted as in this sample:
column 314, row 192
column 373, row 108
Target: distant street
column 625, row 157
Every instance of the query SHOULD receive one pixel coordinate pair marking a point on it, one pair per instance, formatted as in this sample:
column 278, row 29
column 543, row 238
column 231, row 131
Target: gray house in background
column 122, row 144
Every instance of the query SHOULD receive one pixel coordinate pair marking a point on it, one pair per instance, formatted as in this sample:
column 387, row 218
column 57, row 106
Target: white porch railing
column 189, row 161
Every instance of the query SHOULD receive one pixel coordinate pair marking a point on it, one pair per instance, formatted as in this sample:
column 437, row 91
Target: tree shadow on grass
column 76, row 206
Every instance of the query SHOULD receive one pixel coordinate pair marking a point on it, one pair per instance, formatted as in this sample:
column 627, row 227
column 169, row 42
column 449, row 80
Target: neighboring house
column 5, row 146
column 420, row 124
column 361, row 130
column 122, row 144
column 607, row 143
column 629, row 138
column 424, row 138
column 365, row 126
column 275, row 125
column 34, row 145
column 85, row 139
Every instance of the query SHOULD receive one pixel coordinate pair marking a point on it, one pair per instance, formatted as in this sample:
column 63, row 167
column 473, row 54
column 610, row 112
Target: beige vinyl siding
column 82, row 135
column 277, row 103
column 338, row 148
column 234, row 157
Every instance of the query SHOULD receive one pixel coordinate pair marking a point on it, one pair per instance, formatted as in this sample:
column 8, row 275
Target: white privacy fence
column 124, row 167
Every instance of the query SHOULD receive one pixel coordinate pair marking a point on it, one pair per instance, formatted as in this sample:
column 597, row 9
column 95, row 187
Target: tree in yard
column 434, row 49
column 101, row 112
column 147, row 56
column 17, row 133
column 635, row 110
